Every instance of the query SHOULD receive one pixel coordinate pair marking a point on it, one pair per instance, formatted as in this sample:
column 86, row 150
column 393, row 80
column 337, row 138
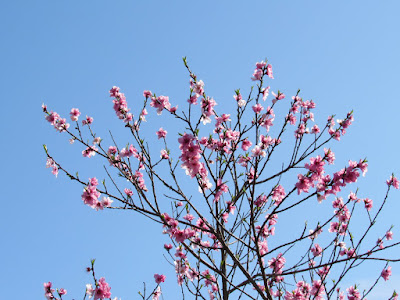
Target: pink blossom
column 368, row 203
column 291, row 119
column 258, row 152
column 161, row 133
column 157, row 293
column 102, row 290
column 48, row 291
column 106, row 202
column 160, row 103
column 277, row 263
column 304, row 184
column 258, row 73
column 316, row 250
column 315, row 129
column 90, row 194
column 246, row 144
column 89, row 151
column 393, row 181
column 114, row 91
column 207, row 109
column 198, row 88
column 257, row 108
column 269, row 71
column 146, row 94
column 143, row 115
column 278, row 96
column 96, row 141
column 89, row 289
column 231, row 208
column 329, row 156
column 386, row 273
column 188, row 217
column 167, row 247
column 164, row 154
column 50, row 163
column 239, row 99
column 278, row 194
column 265, row 92
column 159, row 278
column 318, row 289
column 128, row 192
column 353, row 294
column 62, row 291
column 389, row 235
column 261, row 65
column 193, row 99
column 87, row 121
column 75, row 113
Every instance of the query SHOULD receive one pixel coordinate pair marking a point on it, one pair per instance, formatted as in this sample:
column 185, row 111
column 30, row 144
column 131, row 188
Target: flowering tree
column 224, row 228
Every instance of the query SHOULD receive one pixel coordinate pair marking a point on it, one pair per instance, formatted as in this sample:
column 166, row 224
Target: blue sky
column 342, row 54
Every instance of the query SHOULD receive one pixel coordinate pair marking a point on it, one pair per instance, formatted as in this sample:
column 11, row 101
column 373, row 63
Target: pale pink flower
column 157, row 293
column 278, row 194
column 96, row 141
column 161, row 133
column 143, row 115
column 89, row 290
column 257, row 108
column 62, row 291
column 164, row 154
column 106, row 202
column 87, row 121
column 389, row 235
column 315, row 129
column 353, row 294
column 316, row 250
column 246, row 144
column 75, row 113
column 265, row 92
column 146, row 94
column 269, row 71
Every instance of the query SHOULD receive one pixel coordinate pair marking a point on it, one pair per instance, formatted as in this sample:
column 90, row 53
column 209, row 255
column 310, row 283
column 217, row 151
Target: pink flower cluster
column 239, row 99
column 91, row 196
column 54, row 119
column 207, row 109
column 48, row 291
column 191, row 154
column 51, row 164
column 266, row 120
column 344, row 124
column 306, row 291
column 102, row 290
column 325, row 184
column 120, row 105
column 262, row 69
column 160, row 103
column 220, row 189
column 277, row 264
column 278, row 194
column 353, row 293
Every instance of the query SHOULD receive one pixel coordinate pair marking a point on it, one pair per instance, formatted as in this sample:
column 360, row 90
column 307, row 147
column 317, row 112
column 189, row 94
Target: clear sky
column 342, row 54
